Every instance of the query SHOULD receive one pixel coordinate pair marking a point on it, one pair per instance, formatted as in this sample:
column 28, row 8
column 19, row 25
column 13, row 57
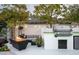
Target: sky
column 30, row 7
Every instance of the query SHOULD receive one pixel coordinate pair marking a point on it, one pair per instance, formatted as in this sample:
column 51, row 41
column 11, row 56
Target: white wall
column 51, row 42
column 31, row 29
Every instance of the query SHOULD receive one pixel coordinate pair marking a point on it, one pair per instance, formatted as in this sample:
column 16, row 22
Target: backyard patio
column 23, row 33
column 33, row 50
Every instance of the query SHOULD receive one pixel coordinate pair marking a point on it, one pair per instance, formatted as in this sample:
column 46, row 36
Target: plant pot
column 38, row 45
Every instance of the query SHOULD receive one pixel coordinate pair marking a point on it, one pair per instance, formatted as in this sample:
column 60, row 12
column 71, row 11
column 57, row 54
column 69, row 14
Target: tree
column 48, row 12
column 73, row 15
column 14, row 15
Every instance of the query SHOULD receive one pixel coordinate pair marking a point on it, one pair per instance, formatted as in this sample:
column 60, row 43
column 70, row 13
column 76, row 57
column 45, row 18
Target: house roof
column 34, row 20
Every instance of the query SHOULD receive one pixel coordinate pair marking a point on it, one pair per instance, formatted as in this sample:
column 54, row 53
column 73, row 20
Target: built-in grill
column 62, row 30
column 63, row 34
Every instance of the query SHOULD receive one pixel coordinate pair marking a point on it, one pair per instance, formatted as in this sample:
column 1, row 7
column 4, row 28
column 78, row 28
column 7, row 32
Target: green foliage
column 14, row 14
column 73, row 14
column 4, row 48
column 4, row 33
column 39, row 41
column 48, row 12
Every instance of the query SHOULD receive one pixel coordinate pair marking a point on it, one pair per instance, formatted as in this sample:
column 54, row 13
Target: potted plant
column 39, row 42
column 33, row 43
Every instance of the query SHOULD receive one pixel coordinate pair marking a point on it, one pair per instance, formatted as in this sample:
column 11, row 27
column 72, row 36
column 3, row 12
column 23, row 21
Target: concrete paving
column 34, row 50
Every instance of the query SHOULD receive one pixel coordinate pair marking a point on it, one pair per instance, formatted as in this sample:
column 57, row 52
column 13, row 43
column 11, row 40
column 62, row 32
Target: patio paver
column 34, row 50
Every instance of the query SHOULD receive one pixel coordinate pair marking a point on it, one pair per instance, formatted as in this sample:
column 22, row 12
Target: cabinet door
column 62, row 44
column 76, row 42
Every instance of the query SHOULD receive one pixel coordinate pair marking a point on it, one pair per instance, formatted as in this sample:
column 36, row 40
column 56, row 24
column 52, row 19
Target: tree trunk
column 13, row 33
column 50, row 25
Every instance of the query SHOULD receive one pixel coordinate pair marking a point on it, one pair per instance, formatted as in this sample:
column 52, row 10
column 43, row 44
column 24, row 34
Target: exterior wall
column 32, row 29
column 51, row 42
